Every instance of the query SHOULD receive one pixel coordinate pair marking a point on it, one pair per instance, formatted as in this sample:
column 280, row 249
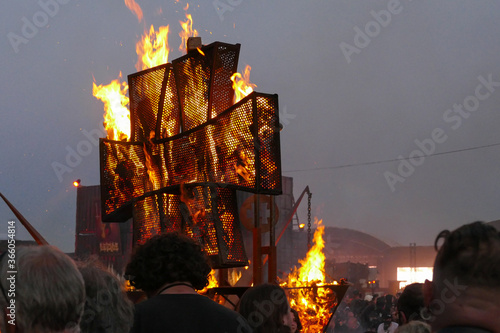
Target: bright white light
column 407, row 275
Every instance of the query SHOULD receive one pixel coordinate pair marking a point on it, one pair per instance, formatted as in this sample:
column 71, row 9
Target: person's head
column 266, row 309
column 414, row 326
column 410, row 303
column 387, row 320
column 380, row 303
column 389, row 300
column 466, row 281
column 168, row 258
column 352, row 323
column 107, row 307
column 48, row 291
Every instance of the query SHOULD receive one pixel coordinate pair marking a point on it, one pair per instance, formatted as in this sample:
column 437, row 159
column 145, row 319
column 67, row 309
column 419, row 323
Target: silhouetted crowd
column 44, row 290
column 380, row 313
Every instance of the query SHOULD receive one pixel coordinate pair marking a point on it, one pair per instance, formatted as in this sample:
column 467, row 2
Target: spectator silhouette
column 266, row 309
column 410, row 303
column 464, row 295
column 47, row 292
column 107, row 307
column 387, row 325
column 169, row 268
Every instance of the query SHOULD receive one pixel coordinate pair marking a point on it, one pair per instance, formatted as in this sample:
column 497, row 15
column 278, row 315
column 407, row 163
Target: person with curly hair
column 169, row 268
column 266, row 308
column 464, row 295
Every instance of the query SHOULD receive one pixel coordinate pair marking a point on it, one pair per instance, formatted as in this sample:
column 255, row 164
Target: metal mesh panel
column 145, row 91
column 170, row 113
column 156, row 214
column 269, row 144
column 147, row 222
column 123, row 178
column 225, row 64
column 205, row 213
column 221, row 151
column 193, row 78
column 204, row 82
column 229, row 218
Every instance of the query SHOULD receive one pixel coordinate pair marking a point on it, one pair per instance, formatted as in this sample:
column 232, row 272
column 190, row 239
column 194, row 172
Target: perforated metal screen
column 206, row 213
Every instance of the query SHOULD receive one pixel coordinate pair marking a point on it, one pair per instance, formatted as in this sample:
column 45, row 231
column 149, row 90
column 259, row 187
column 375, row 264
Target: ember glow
column 152, row 50
column 304, row 285
column 241, row 84
column 116, row 113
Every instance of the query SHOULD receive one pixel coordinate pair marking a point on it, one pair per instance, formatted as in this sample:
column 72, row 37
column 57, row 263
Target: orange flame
column 152, row 50
column 212, row 283
column 311, row 302
column 134, row 8
column 212, row 280
column 241, row 84
column 313, row 266
column 117, row 115
column 187, row 31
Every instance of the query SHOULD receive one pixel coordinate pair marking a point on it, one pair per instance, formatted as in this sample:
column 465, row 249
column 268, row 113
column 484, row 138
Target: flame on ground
column 116, row 113
column 241, row 84
column 304, row 287
column 152, row 50
column 134, row 8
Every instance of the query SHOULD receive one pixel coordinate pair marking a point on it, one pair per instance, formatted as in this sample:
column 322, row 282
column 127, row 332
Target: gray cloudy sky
column 362, row 86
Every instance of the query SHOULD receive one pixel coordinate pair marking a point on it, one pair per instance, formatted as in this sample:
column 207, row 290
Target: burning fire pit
column 191, row 148
column 315, row 299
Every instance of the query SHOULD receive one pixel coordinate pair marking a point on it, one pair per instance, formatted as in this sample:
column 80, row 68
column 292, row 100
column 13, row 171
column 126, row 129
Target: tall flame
column 313, row 266
column 306, row 295
column 152, row 50
column 116, row 113
column 187, row 30
column 134, row 8
column 241, row 84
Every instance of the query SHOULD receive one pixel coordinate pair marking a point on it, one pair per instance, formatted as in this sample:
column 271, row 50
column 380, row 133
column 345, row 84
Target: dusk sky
column 389, row 107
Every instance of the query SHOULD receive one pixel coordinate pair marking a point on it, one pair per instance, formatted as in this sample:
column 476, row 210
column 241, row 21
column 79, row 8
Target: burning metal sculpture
column 191, row 147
